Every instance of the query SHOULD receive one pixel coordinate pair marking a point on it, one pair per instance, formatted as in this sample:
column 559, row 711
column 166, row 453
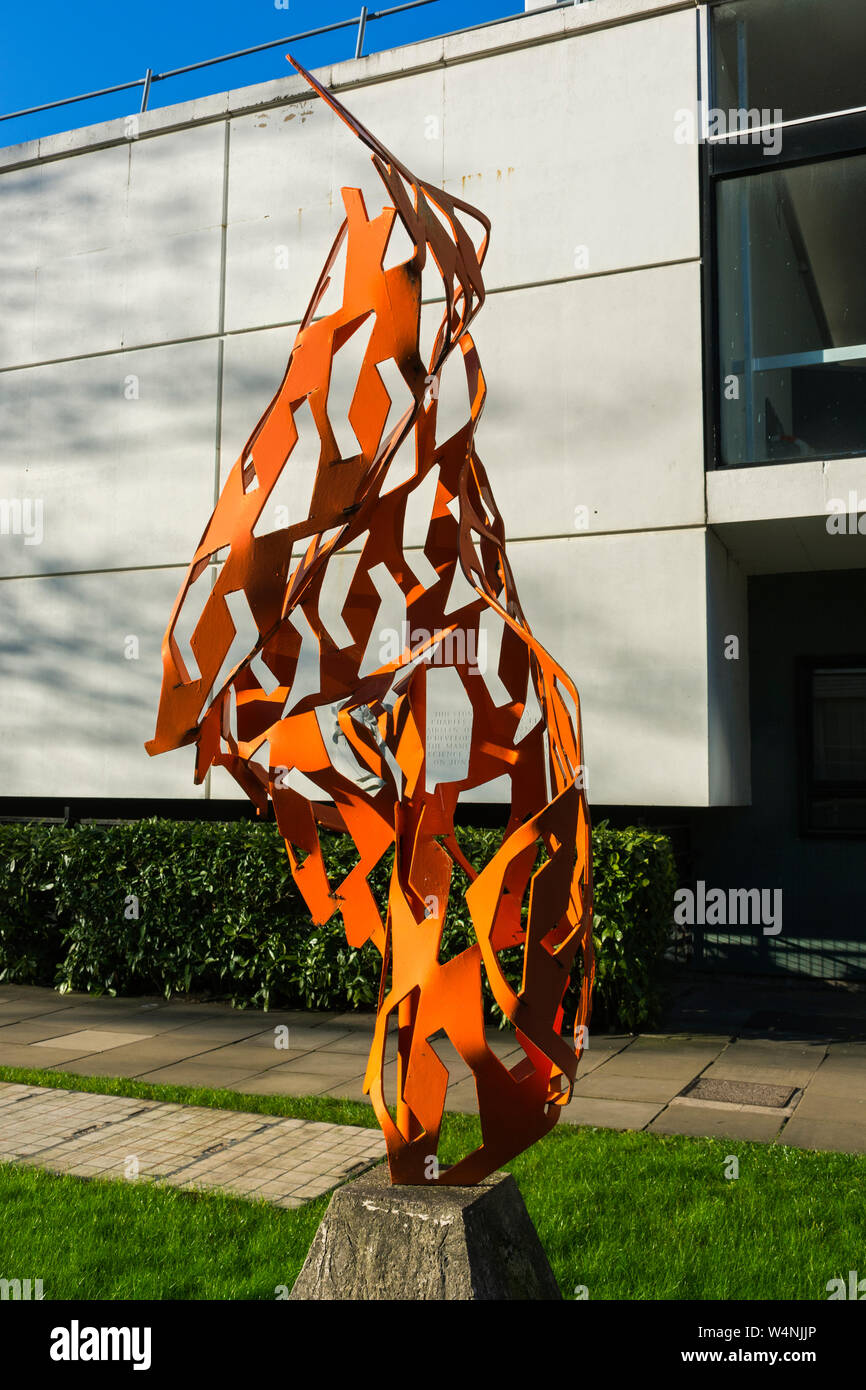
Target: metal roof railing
column 359, row 21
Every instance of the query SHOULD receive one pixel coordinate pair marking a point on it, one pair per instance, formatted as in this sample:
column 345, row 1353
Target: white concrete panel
column 223, row 786
column 571, row 145
column 283, row 212
column 253, row 367
column 626, row 617
column 15, row 156
column 594, row 401
column 82, row 203
column 114, row 246
column 171, row 288
column 286, row 168
column 601, row 11
column 176, row 183
column 728, row 672
column 19, row 194
column 78, row 306
column 119, row 481
column 61, row 267
column 76, row 711
column 803, row 489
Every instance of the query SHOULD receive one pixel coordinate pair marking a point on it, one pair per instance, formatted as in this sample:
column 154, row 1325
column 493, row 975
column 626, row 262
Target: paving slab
column 267, row 1019
column 290, row 1082
column 358, row 1042
column 26, row 1055
column 665, row 1058
column 610, row 1114
column 855, row 1051
column 602, row 1084
column 340, row 1066
column 37, row 1030
column 851, row 1109
column 462, row 1097
column 219, row 1032
column 723, row 1122
column 106, row 1016
column 311, row 1037
column 362, row 1021
column 346, row 1090
column 134, row 1061
column 776, row 1062
column 262, row 1054
column 828, row 1133
column 842, row 1074
column 16, row 1010
column 600, row 1049
column 92, row 1040
column 828, row 1119
column 194, row 1073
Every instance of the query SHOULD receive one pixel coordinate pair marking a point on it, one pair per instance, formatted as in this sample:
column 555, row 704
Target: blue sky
column 52, row 50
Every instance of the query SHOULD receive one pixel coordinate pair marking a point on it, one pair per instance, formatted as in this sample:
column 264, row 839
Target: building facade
column 675, row 349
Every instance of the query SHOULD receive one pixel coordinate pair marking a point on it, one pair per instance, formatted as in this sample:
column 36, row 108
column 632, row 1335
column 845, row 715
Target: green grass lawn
column 631, row 1216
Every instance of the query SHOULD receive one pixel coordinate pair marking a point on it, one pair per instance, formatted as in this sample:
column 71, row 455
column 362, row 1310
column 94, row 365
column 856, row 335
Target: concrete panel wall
column 557, row 176
column 594, row 392
column 76, row 710
column 626, row 615
column 176, row 252
column 118, row 450
column 116, row 247
column 286, row 169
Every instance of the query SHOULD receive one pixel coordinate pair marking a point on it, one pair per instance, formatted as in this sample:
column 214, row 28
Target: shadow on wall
column 81, row 663
column 114, row 247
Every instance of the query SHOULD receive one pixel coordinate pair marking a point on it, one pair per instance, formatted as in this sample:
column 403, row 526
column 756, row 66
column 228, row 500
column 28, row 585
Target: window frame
column 804, row 726
column 806, row 140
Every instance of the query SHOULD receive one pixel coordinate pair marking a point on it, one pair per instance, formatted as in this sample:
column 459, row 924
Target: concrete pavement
column 739, row 1082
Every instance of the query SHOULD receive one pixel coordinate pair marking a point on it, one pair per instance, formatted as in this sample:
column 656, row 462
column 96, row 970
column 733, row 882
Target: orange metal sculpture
column 389, row 725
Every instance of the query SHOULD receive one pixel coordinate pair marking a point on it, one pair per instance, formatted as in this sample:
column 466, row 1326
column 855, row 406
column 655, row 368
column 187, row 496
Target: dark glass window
column 836, row 753
column 800, row 57
column 792, row 311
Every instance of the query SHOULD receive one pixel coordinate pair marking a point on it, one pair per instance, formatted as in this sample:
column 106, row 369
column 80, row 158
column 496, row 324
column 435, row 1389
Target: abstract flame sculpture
column 361, row 729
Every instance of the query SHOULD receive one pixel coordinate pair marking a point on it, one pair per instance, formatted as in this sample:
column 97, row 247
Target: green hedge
column 218, row 915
